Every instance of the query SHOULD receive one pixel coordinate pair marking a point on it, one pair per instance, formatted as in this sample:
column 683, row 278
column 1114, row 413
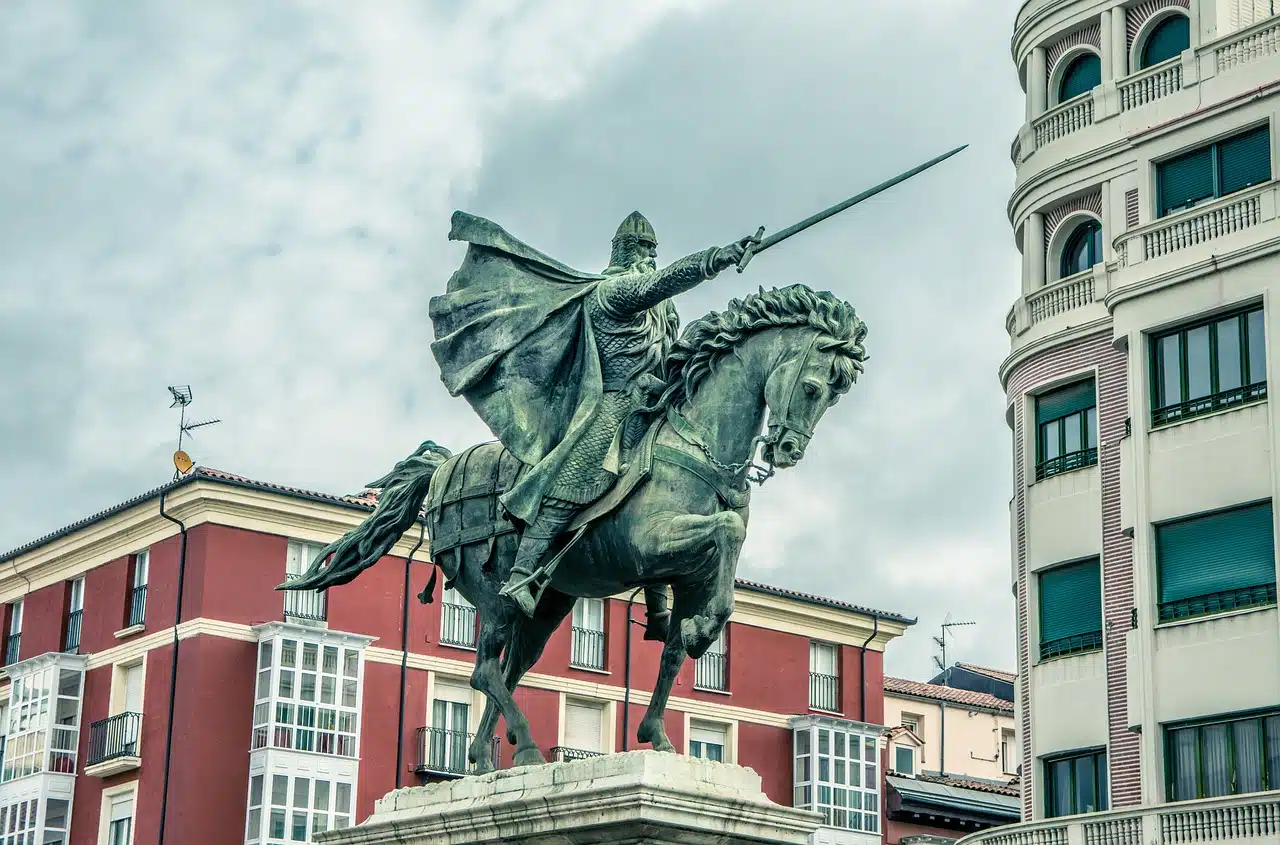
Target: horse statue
column 760, row 373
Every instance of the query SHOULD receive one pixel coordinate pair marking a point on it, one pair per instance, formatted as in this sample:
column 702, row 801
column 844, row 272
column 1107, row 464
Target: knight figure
column 554, row 361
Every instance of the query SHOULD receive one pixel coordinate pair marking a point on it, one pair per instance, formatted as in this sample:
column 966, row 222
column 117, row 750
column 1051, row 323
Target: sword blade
column 782, row 234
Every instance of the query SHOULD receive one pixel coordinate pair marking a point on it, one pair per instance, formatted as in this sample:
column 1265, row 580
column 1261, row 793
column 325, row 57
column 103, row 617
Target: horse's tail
column 399, row 505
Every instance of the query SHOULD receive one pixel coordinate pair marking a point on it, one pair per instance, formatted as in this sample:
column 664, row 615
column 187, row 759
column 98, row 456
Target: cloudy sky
column 253, row 198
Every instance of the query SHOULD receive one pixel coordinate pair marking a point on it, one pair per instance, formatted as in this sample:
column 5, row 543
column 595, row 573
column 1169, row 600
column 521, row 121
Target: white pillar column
column 1119, row 42
column 1038, row 83
column 1108, row 48
column 1035, row 249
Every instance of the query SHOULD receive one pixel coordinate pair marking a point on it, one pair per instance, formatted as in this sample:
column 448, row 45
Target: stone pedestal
column 637, row 798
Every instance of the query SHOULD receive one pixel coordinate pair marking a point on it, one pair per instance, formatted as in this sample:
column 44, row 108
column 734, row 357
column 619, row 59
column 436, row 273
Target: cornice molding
column 1049, row 342
column 1188, row 273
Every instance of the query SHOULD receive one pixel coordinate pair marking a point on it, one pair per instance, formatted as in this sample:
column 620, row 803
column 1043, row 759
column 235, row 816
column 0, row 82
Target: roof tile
column 941, row 693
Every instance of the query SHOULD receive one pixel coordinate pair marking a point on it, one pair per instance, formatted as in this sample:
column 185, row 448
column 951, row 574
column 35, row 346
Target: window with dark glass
column 1075, row 783
column 1216, row 563
column 1170, row 37
column 1066, row 429
column 1081, row 76
column 1082, row 250
column 1223, row 756
column 1213, row 171
column 1070, row 609
column 1208, row 366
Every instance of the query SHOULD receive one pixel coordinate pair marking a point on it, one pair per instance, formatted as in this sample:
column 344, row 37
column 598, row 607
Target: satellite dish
column 182, row 461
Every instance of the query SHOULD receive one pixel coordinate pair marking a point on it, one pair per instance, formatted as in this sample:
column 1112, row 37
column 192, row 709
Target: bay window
column 837, row 771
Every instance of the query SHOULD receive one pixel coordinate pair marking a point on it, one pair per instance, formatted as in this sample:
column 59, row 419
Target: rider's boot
column 657, row 615
column 552, row 518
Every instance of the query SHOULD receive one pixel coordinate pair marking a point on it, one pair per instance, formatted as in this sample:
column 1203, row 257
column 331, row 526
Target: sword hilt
column 750, row 251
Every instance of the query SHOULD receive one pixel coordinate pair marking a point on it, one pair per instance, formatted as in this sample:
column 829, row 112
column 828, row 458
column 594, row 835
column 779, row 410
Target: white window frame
column 808, row 779
column 897, row 747
column 333, row 820
column 298, row 558
column 109, row 796
column 75, row 603
column 714, row 662
column 457, row 620
column 912, row 722
column 726, row 730
column 15, row 618
column 608, row 722
column 1009, row 750
column 817, row 648
column 587, row 635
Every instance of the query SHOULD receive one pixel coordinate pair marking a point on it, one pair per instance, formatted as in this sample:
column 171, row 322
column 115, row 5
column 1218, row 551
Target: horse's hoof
column 529, row 757
column 483, row 767
column 656, row 736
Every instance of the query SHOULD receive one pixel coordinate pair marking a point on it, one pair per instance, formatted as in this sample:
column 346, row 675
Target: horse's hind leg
column 489, row 679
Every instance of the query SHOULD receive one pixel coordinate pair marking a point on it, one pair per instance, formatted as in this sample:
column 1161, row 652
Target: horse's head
column 817, row 363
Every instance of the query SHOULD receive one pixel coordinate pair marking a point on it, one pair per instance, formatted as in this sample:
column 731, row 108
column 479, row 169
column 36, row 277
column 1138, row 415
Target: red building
column 160, row 690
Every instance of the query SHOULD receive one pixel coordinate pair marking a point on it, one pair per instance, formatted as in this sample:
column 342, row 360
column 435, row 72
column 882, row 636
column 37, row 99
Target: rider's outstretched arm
column 632, row 293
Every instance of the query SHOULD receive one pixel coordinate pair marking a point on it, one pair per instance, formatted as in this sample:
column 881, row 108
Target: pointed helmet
column 636, row 228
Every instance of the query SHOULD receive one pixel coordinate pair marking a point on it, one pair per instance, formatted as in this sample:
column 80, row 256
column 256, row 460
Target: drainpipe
column 626, row 696
column 404, row 652
column 173, row 668
column 862, row 669
column 942, row 739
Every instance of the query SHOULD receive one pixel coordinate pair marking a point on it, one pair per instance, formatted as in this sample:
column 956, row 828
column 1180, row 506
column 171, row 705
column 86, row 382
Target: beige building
column 1143, row 528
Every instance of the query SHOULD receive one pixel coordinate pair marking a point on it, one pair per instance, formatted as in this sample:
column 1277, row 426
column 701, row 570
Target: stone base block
column 637, row 798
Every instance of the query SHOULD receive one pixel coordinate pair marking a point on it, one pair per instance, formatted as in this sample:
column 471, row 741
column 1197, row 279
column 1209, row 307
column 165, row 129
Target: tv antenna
column 182, row 462
column 941, row 640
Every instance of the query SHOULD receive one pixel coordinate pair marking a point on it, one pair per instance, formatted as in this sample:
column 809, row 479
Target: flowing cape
column 512, row 337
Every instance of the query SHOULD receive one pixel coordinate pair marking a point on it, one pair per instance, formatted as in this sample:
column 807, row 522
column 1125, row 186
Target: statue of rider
column 635, row 324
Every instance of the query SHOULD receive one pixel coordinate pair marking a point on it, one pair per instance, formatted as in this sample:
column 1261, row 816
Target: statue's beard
column 644, row 265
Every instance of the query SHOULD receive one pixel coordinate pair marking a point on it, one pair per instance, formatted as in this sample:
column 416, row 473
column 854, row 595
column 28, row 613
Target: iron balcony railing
column 458, row 625
column 442, row 752
column 11, row 648
column 114, row 737
column 1076, row 644
column 1208, row 404
column 1259, row 596
column 587, row 650
column 824, row 692
column 304, row 604
column 709, row 671
column 74, row 619
column 1066, row 463
column 138, row 605
column 561, row 754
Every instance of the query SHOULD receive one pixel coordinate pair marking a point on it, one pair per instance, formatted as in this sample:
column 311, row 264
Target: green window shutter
column 1226, row 551
column 1168, row 40
column 1245, row 160
column 1083, row 74
column 1065, row 400
column 1185, row 179
column 1070, row 601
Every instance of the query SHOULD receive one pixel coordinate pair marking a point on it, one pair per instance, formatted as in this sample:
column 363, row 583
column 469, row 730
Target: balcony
column 824, row 692
column 443, row 753
column 137, row 606
column 1150, row 84
column 560, row 754
column 1236, row 820
column 305, row 605
column 587, row 649
column 709, row 672
column 1198, row 225
column 1247, row 45
column 74, row 621
column 113, row 745
column 458, row 625
column 1060, row 297
column 1061, row 121
column 12, row 648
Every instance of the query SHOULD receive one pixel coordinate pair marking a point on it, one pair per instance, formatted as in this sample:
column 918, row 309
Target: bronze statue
column 624, row 451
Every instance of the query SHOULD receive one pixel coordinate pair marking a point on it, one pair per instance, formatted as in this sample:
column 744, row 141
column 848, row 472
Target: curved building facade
column 1143, row 532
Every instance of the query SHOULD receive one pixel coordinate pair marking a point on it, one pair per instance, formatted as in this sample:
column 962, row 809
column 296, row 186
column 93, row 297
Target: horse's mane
column 704, row 342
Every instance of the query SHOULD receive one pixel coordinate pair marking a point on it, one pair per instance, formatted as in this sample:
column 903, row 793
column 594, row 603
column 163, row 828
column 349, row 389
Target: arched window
column 1083, row 74
column 1083, row 248
column 1170, row 37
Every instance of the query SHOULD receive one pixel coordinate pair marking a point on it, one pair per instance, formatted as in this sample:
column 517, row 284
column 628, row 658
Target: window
column 707, row 741
column 1081, row 76
column 587, row 649
column 1215, row 563
column 711, row 670
column 912, row 722
column 75, row 615
column 18, row 822
column 904, row 759
column 1076, row 783
column 306, row 605
column 1223, row 757
column 1082, row 250
column 1217, row 170
column 120, row 820
column 837, row 774
column 457, row 620
column 1208, row 366
column 1010, row 754
column 583, row 730
column 1070, row 609
column 824, row 677
column 138, row 595
column 285, row 809
column 307, row 696
column 1066, row 429
column 44, row 722
column 1170, row 37
column 447, row 738
column 117, row 735
column 13, row 643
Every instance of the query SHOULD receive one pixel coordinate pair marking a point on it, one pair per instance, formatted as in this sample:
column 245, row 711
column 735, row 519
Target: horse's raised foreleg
column 489, row 679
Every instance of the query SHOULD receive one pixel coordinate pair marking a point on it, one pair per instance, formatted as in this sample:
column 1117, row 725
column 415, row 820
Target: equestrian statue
column 624, row 449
